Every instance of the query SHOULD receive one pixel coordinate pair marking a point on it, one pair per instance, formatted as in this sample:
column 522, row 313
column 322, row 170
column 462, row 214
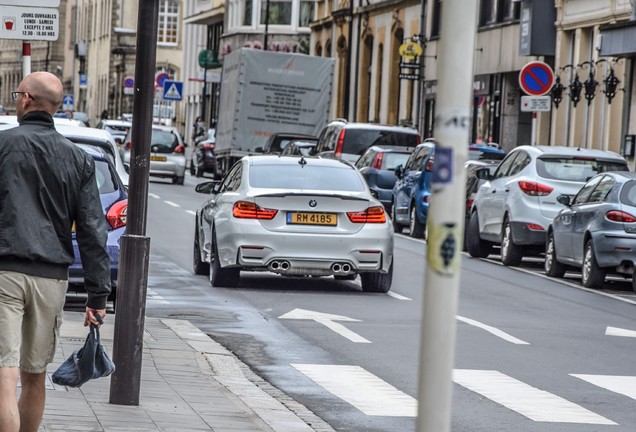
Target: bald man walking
column 47, row 184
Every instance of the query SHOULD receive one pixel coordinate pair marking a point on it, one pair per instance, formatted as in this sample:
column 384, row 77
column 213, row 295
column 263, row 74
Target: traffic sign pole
column 26, row 58
column 536, row 79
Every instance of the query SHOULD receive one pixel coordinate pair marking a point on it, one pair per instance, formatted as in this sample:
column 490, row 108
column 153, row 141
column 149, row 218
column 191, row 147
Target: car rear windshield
column 628, row 193
column 391, row 160
column 163, row 141
column 575, row 169
column 104, row 177
column 314, row 177
column 356, row 141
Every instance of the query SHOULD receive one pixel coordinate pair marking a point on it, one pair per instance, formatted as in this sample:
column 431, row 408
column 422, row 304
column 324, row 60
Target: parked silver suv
column 516, row 204
column 341, row 139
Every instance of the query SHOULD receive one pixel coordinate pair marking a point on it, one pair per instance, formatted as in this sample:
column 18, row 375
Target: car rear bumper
column 254, row 248
column 614, row 248
column 523, row 235
column 76, row 271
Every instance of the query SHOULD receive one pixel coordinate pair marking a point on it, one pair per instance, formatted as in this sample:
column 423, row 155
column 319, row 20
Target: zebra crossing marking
column 362, row 389
column 531, row 402
column 625, row 385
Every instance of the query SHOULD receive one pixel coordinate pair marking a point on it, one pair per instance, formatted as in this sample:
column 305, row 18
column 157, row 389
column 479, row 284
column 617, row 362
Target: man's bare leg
column 31, row 403
column 9, row 414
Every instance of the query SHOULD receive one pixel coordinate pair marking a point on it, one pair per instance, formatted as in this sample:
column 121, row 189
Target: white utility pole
column 446, row 214
column 26, row 58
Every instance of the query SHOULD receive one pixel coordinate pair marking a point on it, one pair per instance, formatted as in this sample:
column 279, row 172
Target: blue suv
column 412, row 190
column 411, row 193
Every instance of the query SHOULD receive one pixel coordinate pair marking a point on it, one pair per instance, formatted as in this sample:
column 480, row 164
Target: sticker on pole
column 443, row 166
column 536, row 78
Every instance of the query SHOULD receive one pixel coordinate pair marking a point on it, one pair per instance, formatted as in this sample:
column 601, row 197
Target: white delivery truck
column 265, row 92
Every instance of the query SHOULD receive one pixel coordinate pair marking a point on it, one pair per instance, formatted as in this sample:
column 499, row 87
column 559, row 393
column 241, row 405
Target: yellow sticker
column 443, row 255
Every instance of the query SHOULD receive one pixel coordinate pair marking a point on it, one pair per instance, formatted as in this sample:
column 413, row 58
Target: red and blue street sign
column 536, row 78
column 161, row 78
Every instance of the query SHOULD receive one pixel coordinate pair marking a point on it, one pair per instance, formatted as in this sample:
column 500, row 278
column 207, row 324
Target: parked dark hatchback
column 377, row 166
column 277, row 142
column 341, row 139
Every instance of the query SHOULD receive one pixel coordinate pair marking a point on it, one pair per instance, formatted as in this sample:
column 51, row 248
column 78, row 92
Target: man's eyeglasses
column 14, row 95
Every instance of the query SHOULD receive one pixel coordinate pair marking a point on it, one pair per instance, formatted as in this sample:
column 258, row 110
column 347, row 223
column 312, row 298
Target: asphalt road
column 533, row 354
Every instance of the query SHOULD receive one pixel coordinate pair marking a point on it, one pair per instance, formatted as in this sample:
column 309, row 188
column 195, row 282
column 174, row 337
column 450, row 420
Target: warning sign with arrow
column 172, row 90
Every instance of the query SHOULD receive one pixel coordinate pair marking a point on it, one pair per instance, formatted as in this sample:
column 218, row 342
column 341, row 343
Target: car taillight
column 117, row 213
column 419, row 140
column 128, row 145
column 535, row 189
column 469, row 203
column 429, row 164
column 179, row 149
column 209, row 147
column 535, row 227
column 620, row 216
column 370, row 215
column 377, row 161
column 340, row 143
column 249, row 210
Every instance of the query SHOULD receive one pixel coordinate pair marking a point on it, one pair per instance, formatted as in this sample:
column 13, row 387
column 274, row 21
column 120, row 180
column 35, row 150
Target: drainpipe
column 357, row 75
column 347, row 95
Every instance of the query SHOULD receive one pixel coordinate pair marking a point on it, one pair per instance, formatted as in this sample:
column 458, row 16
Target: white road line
column 343, row 331
column 152, row 295
column 170, row 203
column 397, row 296
column 495, row 331
column 362, row 389
column 561, row 281
column 193, row 213
column 151, row 195
column 625, row 385
column 537, row 405
column 616, row 331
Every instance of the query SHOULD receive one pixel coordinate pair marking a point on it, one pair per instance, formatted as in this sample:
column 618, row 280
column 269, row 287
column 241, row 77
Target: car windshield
column 578, row 169
column 356, row 141
column 308, row 176
column 104, row 177
column 163, row 141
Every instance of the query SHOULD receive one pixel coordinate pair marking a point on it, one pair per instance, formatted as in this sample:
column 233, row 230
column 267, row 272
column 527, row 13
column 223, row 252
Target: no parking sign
column 536, row 78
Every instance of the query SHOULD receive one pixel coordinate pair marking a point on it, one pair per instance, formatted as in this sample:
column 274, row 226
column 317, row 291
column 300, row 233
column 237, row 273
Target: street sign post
column 68, row 102
column 29, row 23
column 536, row 79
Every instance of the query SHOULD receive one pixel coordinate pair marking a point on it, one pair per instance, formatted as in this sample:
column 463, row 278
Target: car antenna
column 302, row 161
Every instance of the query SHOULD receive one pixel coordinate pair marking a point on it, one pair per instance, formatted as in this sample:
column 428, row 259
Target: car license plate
column 304, row 218
column 158, row 158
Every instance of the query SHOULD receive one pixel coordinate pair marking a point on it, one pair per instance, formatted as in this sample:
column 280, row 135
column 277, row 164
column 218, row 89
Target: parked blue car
column 115, row 204
column 412, row 190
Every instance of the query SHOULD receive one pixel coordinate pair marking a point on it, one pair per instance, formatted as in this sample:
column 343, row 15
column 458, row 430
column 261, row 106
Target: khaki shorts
column 31, row 313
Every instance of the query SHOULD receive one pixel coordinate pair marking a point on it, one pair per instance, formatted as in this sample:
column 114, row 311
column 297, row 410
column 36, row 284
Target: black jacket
column 46, row 184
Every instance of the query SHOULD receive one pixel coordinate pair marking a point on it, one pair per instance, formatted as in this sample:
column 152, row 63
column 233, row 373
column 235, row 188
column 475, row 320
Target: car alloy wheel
column 416, row 227
column 510, row 252
column 552, row 266
column 396, row 226
column 592, row 275
column 477, row 248
column 222, row 277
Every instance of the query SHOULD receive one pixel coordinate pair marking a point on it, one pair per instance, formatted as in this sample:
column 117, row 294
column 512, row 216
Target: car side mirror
column 399, row 171
column 207, row 187
column 483, row 174
column 564, row 199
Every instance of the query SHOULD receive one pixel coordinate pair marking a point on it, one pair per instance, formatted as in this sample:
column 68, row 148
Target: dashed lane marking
column 173, row 204
column 151, row 195
column 193, row 213
column 397, row 296
column 495, row 331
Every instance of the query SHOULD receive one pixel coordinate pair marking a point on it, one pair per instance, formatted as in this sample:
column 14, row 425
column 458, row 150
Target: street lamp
column 590, row 83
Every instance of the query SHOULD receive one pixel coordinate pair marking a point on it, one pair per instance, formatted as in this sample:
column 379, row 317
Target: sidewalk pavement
column 189, row 382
